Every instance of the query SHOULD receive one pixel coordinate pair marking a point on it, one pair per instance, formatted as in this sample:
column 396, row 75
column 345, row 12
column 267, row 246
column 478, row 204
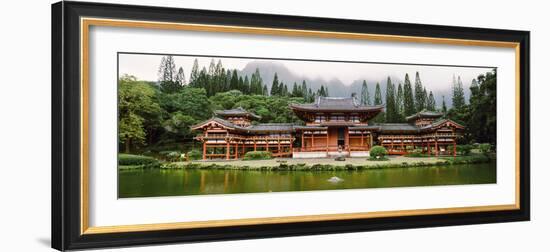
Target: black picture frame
column 66, row 114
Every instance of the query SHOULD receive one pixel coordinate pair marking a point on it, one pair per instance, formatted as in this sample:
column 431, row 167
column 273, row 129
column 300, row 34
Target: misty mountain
column 335, row 86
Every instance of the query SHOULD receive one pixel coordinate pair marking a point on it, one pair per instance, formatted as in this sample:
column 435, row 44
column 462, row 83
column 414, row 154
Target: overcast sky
column 145, row 67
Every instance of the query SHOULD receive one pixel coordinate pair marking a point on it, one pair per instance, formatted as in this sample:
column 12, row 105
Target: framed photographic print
column 180, row 125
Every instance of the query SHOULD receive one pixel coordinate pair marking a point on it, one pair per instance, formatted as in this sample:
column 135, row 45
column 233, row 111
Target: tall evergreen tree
column 409, row 107
column 474, row 91
column 365, row 96
column 443, row 107
column 458, row 94
column 391, row 110
column 202, row 78
column 285, row 89
column 264, row 90
column 295, row 90
column 310, row 95
column 275, row 90
column 228, row 76
column 431, row 102
column 304, row 90
column 245, row 89
column 180, row 77
column 167, row 75
column 425, row 97
column 256, row 85
column 194, row 74
column 400, row 107
column 234, row 84
column 420, row 102
column 377, row 95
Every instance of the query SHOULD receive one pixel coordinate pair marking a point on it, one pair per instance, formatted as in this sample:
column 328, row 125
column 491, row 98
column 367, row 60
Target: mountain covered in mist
column 335, row 86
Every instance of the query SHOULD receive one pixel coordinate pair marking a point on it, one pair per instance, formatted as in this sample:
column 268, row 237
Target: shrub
column 173, row 156
column 485, row 148
column 464, row 149
column 416, row 153
column 136, row 160
column 194, row 155
column 378, row 152
column 257, row 155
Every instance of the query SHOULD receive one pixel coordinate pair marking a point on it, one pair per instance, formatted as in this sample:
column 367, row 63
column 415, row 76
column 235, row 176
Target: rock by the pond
column 335, row 180
column 340, row 158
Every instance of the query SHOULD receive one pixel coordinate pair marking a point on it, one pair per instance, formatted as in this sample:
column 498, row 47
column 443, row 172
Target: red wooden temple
column 332, row 126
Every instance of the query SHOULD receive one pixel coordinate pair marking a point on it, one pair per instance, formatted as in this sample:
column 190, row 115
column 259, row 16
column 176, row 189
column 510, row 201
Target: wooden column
column 236, row 150
column 254, row 144
column 429, row 148
column 436, row 148
column 327, row 143
column 227, row 150
column 403, row 144
column 312, row 139
column 362, row 139
column 303, row 132
column 244, row 148
column 204, row 150
column 454, row 147
column 279, row 145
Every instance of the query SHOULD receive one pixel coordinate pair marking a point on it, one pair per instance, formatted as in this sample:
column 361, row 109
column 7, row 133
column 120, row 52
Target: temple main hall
column 331, row 126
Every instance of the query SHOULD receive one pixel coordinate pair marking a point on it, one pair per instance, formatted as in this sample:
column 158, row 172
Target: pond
column 173, row 182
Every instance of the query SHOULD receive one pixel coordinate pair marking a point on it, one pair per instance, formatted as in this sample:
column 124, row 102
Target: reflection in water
column 158, row 182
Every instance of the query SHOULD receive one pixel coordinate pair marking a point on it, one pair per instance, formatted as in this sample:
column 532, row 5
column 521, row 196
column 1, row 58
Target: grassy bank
column 326, row 164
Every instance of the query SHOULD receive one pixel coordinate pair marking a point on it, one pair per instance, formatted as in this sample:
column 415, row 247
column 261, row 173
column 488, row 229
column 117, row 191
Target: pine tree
column 391, row 113
column 246, row 85
column 474, row 91
column 234, row 84
column 304, row 90
column 295, row 91
column 202, row 78
column 431, row 102
column 377, row 95
column 285, row 89
column 458, row 94
column 264, row 90
column 310, row 95
column 167, row 75
column 180, row 77
column 408, row 98
column 275, row 90
column 365, row 96
column 228, row 76
column 420, row 102
column 194, row 74
column 256, row 83
column 443, row 106
column 425, row 97
column 400, row 108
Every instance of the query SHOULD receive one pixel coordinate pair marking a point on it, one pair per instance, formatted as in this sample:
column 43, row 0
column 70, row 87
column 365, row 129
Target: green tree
column 420, row 101
column 443, row 107
column 365, row 96
column 194, row 74
column 234, row 83
column 180, row 77
column 409, row 107
column 377, row 95
column 458, row 94
column 275, row 90
column 399, row 104
column 431, row 102
column 246, row 85
column 256, row 85
column 391, row 108
column 167, row 75
column 295, row 91
column 136, row 109
column 304, row 90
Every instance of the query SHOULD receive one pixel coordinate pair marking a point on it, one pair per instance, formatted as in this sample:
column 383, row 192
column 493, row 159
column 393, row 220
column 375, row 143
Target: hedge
column 257, row 155
column 136, row 160
column 194, row 155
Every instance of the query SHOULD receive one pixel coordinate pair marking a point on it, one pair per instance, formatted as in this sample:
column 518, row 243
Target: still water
column 159, row 182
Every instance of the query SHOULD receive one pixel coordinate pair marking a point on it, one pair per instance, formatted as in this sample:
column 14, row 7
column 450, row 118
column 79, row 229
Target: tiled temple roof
column 323, row 104
column 236, row 112
column 424, row 114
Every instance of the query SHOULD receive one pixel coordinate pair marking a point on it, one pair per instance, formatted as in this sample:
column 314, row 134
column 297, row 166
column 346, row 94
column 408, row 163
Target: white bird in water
column 335, row 180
